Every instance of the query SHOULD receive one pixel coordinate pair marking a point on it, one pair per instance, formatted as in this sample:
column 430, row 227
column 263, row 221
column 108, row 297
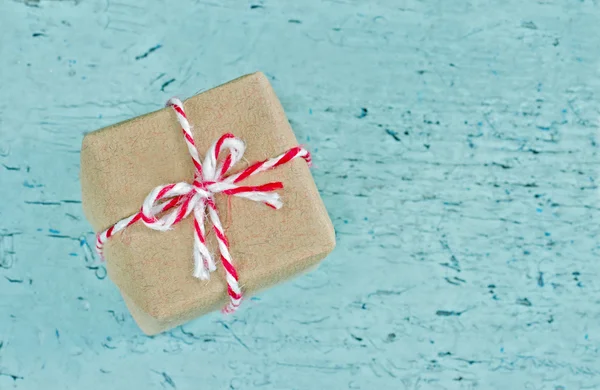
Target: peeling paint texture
column 456, row 148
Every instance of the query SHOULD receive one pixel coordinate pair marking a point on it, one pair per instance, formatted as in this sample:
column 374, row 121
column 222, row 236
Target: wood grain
column 455, row 146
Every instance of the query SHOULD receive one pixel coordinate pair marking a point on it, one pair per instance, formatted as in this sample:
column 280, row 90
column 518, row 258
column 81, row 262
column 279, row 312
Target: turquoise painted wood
column 455, row 146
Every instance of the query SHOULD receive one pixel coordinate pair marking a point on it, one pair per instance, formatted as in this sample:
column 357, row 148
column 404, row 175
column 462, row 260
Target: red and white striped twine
column 209, row 179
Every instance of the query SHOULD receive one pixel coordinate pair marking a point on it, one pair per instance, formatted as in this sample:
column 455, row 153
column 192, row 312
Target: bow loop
column 163, row 198
column 234, row 148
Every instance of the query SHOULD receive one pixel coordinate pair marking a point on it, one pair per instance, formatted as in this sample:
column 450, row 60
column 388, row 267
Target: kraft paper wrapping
column 122, row 163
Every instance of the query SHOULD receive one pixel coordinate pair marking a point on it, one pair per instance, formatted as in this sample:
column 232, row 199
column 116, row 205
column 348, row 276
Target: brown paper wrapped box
column 122, row 163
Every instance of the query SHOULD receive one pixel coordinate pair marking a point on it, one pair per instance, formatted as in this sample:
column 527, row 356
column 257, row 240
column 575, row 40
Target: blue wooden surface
column 456, row 148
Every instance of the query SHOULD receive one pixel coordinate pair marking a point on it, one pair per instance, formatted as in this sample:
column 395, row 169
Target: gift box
column 156, row 268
